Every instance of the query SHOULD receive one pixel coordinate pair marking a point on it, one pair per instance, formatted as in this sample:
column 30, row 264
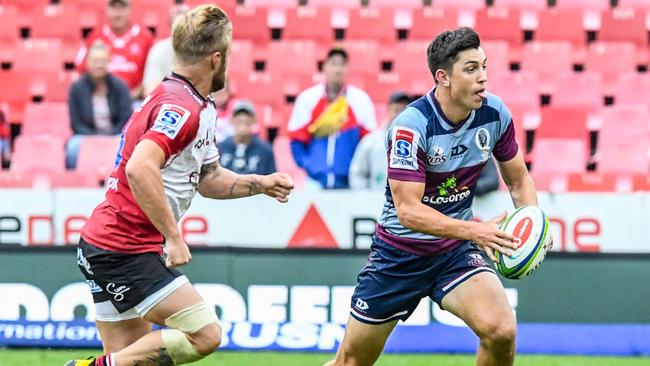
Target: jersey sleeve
column 213, row 153
column 506, row 146
column 173, row 128
column 406, row 147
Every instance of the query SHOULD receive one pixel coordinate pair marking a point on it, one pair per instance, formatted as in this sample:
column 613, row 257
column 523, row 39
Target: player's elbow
column 407, row 217
column 134, row 172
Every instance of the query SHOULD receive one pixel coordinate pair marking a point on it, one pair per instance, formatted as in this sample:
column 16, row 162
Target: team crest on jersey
column 403, row 154
column 482, row 139
column 170, row 120
column 436, row 156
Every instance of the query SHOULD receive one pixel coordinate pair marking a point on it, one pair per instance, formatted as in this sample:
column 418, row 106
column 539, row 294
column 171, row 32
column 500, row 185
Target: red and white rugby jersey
column 177, row 118
column 128, row 52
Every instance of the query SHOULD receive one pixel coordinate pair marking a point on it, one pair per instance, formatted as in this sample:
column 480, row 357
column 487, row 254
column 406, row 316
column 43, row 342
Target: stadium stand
column 575, row 70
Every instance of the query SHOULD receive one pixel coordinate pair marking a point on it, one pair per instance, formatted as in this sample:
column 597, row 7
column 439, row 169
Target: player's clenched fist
column 178, row 253
column 277, row 185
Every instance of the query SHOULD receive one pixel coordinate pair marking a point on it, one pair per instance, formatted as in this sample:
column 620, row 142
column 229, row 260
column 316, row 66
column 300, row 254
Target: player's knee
column 500, row 333
column 194, row 333
column 207, row 340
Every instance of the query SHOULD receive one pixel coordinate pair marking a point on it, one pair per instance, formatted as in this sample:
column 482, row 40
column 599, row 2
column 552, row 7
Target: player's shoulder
column 415, row 115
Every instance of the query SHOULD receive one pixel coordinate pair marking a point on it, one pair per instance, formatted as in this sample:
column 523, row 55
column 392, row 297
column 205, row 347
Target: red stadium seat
column 624, row 124
column 624, row 24
column 583, row 4
column 241, row 61
column 30, row 56
column 409, row 62
column 561, row 25
column 641, row 182
column 638, row 4
column 583, row 89
column 514, row 88
column 284, row 161
column 498, row 55
column 47, row 119
column 372, row 23
column 499, row 24
column 558, row 156
column 42, row 153
column 596, row 182
column 382, row 86
column 309, row 23
column 632, row 88
column 9, row 27
column 520, row 4
column 25, row 9
column 16, row 91
column 335, row 4
column 57, row 21
column 565, row 123
column 250, row 23
column 282, row 4
column 431, row 21
column 301, row 53
column 402, row 4
column 611, row 59
column 223, row 4
column 547, row 59
column 97, row 155
column 260, row 88
column 461, row 4
column 622, row 159
column 364, row 57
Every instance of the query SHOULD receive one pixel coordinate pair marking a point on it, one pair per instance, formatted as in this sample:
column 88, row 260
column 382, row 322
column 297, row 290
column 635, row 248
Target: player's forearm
column 225, row 184
column 147, row 188
column 421, row 218
column 522, row 192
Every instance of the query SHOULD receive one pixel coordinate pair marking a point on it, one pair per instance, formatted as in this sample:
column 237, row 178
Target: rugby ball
column 529, row 225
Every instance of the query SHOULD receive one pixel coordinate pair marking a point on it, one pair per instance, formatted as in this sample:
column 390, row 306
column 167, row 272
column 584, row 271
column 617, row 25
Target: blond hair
column 200, row 32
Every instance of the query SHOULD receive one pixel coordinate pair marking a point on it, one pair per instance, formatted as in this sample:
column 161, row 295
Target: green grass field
column 34, row 357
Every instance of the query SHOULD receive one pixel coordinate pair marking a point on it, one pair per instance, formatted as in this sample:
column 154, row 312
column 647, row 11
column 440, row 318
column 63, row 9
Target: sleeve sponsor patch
column 403, row 154
column 170, row 120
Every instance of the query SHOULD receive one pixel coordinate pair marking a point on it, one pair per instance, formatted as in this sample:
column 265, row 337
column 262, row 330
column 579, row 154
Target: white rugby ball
column 529, row 225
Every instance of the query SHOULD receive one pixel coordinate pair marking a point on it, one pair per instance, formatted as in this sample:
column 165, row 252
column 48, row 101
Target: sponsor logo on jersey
column 436, row 156
column 403, row 154
column 458, row 151
column 361, row 305
column 448, row 192
column 117, row 291
column 476, row 260
column 170, row 120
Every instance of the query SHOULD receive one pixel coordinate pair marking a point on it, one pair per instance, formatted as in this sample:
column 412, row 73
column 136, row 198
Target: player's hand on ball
column 488, row 236
column 277, row 185
column 178, row 253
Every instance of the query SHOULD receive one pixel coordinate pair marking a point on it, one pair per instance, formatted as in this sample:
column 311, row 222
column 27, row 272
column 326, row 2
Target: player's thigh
column 179, row 299
column 363, row 343
column 481, row 303
column 120, row 334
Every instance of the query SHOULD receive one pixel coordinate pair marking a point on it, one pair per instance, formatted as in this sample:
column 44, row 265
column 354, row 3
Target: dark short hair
column 443, row 51
column 337, row 51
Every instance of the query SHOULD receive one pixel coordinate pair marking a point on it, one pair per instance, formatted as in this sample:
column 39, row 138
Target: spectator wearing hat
column 368, row 169
column 244, row 152
column 327, row 123
column 128, row 45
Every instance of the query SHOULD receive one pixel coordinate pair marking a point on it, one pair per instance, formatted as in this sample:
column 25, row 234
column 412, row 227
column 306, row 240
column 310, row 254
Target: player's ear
column 442, row 77
column 217, row 60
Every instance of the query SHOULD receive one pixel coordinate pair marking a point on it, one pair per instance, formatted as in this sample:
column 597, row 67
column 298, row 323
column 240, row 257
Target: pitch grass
column 42, row 357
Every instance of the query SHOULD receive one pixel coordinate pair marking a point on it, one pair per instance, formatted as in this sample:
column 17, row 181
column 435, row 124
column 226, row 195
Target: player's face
column 118, row 16
column 243, row 124
column 97, row 63
column 468, row 79
column 335, row 70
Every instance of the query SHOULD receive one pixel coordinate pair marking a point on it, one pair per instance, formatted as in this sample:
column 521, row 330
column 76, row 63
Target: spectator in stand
column 369, row 166
column 327, row 123
column 128, row 44
column 245, row 153
column 488, row 181
column 161, row 56
column 99, row 102
column 224, row 102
